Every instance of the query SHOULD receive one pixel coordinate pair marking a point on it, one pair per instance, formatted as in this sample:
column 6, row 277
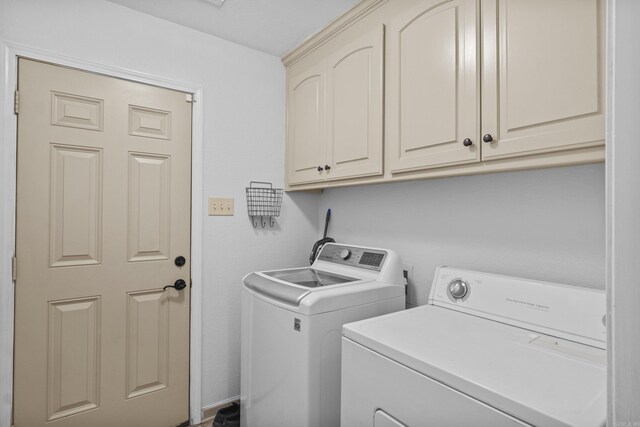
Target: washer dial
column 458, row 288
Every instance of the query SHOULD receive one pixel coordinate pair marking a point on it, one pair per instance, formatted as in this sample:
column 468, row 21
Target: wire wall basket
column 263, row 201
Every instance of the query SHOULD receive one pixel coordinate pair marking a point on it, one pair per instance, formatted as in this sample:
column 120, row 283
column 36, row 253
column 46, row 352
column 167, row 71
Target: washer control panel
column 369, row 259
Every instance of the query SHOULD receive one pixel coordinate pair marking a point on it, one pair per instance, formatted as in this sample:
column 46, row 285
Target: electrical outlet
column 220, row 206
column 407, row 272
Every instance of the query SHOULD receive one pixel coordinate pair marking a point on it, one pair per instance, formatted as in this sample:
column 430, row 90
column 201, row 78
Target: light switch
column 220, row 206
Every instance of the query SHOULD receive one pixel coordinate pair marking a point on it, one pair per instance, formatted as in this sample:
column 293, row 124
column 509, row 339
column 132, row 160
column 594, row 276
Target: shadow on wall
column 544, row 224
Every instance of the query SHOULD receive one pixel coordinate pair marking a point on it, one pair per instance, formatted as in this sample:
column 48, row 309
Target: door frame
column 9, row 53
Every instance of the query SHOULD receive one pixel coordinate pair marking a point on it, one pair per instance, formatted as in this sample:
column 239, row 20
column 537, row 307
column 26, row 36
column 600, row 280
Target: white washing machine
column 292, row 328
column 487, row 350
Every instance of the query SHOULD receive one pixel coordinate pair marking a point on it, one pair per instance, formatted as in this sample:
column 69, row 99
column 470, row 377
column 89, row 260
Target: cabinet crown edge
column 332, row 29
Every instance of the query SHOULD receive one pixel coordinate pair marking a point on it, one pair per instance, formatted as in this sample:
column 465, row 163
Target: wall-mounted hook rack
column 263, row 201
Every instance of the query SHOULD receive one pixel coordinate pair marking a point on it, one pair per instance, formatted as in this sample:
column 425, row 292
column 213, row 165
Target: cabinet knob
column 327, row 167
column 487, row 138
column 319, row 168
column 467, row 142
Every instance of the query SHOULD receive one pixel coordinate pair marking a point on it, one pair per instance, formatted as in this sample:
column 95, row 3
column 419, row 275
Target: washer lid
column 310, row 277
column 274, row 290
column 536, row 378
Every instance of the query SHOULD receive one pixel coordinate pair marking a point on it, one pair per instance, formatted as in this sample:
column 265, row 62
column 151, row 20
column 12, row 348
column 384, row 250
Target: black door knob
column 467, row 142
column 178, row 285
column 487, row 138
column 327, row 167
column 180, row 261
column 319, row 168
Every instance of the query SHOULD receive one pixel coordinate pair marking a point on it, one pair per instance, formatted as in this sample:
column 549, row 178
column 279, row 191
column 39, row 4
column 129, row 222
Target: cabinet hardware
column 487, row 138
column 467, row 142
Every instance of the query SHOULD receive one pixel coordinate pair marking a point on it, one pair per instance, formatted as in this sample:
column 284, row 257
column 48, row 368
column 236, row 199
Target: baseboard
column 210, row 411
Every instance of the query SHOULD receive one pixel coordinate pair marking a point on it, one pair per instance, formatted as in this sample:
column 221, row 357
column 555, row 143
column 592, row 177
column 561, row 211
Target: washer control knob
column 458, row 288
column 345, row 254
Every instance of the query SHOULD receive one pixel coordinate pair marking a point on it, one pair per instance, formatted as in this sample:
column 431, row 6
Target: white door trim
column 8, row 126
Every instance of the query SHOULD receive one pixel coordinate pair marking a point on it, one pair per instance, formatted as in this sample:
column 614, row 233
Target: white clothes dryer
column 487, row 350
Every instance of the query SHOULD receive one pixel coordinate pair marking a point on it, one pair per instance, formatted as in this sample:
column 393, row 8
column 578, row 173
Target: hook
column 272, row 222
column 264, row 224
column 254, row 222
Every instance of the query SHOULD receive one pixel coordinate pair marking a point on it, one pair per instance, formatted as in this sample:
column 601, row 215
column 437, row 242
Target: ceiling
column 272, row 26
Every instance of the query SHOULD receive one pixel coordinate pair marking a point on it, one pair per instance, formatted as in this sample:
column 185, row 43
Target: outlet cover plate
column 220, row 206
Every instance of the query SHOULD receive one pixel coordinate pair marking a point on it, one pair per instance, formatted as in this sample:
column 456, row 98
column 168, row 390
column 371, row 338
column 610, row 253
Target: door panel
column 147, row 342
column 76, row 111
column 149, row 123
column 306, row 125
column 149, row 206
column 543, row 84
column 354, row 107
column 433, row 85
column 103, row 208
column 73, row 357
column 76, row 206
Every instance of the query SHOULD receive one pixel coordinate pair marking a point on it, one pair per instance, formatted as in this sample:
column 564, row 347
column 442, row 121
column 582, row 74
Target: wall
column 244, row 140
column 542, row 224
column 623, row 211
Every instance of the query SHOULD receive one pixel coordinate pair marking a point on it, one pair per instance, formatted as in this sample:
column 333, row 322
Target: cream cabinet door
column 433, row 86
column 355, row 107
column 543, row 76
column 306, row 125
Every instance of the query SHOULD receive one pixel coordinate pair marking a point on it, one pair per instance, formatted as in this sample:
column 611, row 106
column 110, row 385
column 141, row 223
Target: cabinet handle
column 327, row 167
column 319, row 168
column 487, row 138
column 467, row 142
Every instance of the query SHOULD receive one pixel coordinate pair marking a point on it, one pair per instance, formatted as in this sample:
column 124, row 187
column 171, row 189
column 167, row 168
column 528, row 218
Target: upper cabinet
column 306, row 125
column 410, row 89
column 543, row 76
column 433, row 86
column 335, row 113
column 355, row 107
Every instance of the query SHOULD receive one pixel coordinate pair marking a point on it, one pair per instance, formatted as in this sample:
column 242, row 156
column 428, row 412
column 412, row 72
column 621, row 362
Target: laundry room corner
column 243, row 120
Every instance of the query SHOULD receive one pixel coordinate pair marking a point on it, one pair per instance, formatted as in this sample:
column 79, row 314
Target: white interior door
column 103, row 211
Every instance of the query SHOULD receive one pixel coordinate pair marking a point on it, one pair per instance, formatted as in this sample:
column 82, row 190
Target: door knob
column 467, row 142
column 178, row 285
column 180, row 261
column 319, row 168
column 487, row 138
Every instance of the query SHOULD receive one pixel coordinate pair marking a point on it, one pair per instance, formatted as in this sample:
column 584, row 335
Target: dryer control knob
column 458, row 288
column 345, row 254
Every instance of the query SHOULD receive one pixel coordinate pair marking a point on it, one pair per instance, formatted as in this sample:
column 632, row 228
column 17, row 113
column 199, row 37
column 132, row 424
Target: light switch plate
column 220, row 206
